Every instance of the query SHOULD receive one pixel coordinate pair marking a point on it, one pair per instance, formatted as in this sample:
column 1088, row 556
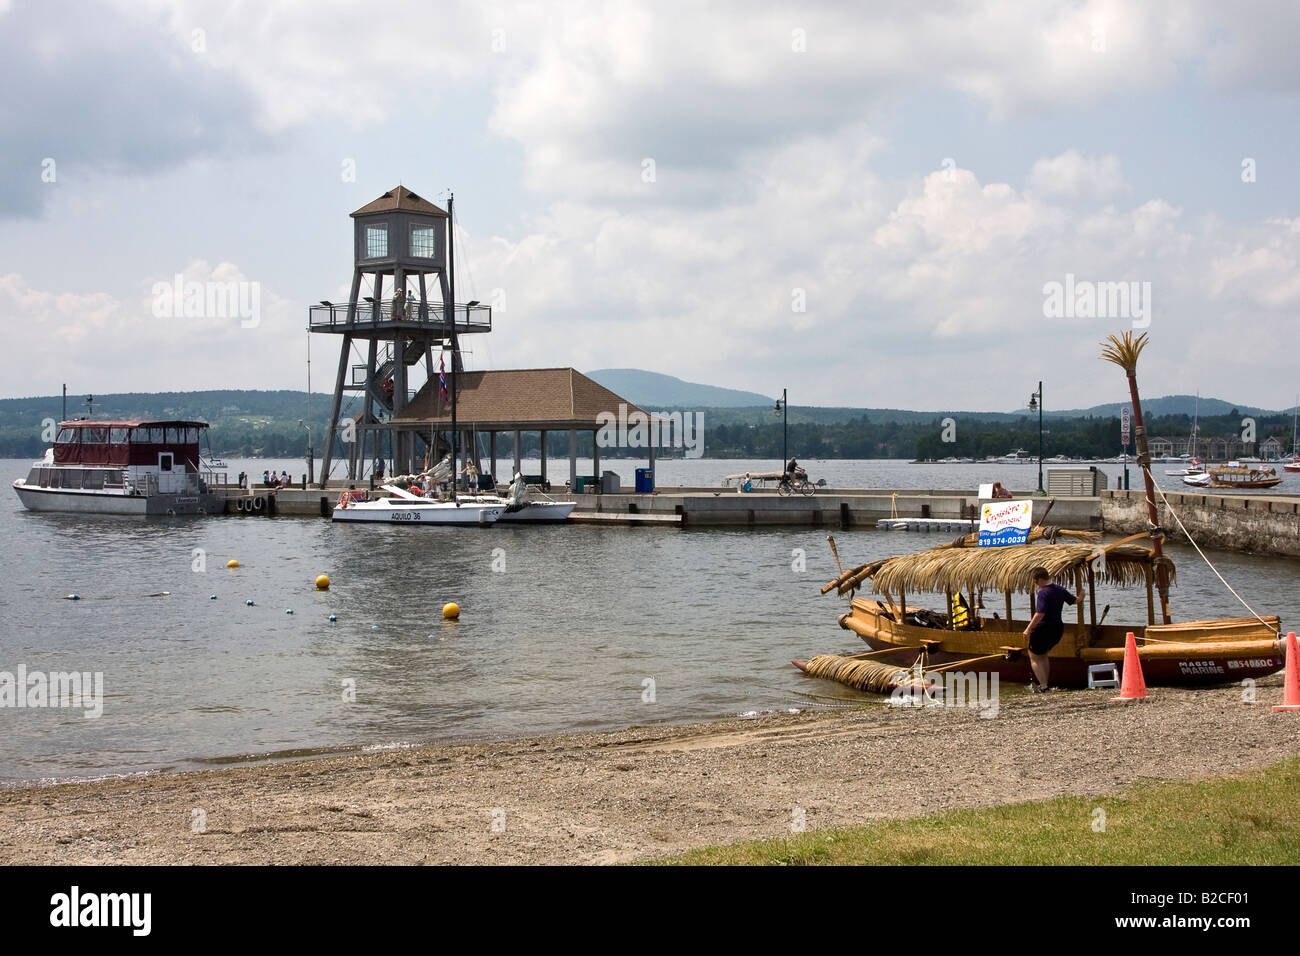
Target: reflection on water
column 565, row 638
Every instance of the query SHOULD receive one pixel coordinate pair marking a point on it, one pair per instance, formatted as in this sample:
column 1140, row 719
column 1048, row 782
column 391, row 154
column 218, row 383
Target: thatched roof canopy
column 1006, row 568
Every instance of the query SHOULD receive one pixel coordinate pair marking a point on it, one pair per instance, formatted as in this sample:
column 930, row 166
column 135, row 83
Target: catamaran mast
column 1295, row 417
column 455, row 379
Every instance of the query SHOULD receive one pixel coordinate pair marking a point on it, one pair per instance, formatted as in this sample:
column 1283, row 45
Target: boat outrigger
column 903, row 636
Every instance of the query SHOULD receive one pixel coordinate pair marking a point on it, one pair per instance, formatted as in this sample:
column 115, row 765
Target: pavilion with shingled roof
column 514, row 401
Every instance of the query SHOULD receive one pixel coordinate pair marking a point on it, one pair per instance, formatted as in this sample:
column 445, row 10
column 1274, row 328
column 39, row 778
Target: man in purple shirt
column 1045, row 627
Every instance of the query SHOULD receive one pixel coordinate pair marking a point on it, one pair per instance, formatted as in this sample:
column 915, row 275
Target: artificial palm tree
column 1124, row 351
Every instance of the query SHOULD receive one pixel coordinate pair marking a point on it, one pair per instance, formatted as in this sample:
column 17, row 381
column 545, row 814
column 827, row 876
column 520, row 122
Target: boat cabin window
column 92, row 478
column 191, row 436
column 118, row 436
column 165, row 461
column 67, row 436
column 94, row 436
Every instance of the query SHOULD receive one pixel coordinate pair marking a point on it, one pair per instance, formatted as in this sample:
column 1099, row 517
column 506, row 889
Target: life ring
column 344, row 499
column 258, row 504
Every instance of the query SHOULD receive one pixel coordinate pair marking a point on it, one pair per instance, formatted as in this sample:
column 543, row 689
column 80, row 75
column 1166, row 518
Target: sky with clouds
column 862, row 203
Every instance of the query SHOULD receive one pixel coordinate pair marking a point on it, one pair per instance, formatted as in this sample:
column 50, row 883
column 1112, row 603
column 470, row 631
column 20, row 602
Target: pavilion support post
column 952, row 618
column 543, row 434
column 492, row 454
column 1008, row 594
column 595, row 458
column 573, row 458
column 518, row 467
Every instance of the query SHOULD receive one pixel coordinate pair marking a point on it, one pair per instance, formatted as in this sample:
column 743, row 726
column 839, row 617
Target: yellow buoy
column 322, row 582
column 451, row 610
column 232, row 563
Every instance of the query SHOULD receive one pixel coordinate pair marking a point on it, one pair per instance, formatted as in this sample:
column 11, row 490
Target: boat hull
column 1195, row 653
column 533, row 512
column 418, row 513
column 78, row 501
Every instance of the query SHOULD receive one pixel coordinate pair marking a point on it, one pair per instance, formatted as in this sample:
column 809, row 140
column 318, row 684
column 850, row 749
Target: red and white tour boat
column 123, row 467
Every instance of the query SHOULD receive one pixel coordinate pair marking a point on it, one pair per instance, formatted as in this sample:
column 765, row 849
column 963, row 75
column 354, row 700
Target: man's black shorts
column 1045, row 636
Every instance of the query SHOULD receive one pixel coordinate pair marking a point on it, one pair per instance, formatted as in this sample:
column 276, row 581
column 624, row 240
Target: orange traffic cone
column 1291, row 682
column 1133, row 686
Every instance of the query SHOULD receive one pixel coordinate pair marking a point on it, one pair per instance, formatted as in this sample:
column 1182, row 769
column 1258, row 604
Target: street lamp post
column 783, row 409
column 311, row 454
column 1036, row 402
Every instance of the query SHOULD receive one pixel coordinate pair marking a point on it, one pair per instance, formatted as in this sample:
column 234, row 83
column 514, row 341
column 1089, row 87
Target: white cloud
column 1073, row 175
column 106, row 343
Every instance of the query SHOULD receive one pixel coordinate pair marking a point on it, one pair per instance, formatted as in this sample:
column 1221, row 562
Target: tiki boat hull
column 1187, row 654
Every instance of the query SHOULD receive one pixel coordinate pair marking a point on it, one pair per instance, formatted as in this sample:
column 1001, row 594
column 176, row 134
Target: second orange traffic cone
column 1133, row 686
column 1291, row 682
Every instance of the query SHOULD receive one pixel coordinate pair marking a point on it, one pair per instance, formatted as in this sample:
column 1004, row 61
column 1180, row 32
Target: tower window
column 424, row 243
column 377, row 241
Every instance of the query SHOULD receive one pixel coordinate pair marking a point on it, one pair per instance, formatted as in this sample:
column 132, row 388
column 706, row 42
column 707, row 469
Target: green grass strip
column 1252, row 819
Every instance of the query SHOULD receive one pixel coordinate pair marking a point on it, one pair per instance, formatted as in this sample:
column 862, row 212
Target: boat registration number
column 406, row 516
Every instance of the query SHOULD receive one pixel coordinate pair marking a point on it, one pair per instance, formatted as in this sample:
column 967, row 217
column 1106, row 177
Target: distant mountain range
column 740, row 424
column 662, row 391
column 655, row 391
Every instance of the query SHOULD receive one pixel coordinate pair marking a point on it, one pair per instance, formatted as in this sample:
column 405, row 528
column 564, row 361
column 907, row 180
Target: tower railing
column 334, row 316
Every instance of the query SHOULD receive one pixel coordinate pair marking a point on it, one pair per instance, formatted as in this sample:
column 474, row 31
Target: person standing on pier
column 1045, row 627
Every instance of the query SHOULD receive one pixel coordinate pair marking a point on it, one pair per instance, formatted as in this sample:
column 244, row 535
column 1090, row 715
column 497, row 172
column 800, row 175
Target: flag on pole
column 442, row 376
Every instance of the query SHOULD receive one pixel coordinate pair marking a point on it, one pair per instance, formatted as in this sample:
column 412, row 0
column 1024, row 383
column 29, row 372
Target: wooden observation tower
column 408, row 239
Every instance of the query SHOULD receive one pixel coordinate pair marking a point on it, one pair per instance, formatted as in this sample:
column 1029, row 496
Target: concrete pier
column 1261, row 524
column 709, row 507
column 1254, row 523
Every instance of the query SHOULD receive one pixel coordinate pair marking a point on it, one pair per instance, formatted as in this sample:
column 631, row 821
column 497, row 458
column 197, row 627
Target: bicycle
column 798, row 485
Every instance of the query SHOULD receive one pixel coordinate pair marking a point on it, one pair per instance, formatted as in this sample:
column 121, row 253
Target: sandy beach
column 645, row 792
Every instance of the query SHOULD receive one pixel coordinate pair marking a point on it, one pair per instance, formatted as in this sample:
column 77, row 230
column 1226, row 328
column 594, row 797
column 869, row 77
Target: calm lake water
column 564, row 638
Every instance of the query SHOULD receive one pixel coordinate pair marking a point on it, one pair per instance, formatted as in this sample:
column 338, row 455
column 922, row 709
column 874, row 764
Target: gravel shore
column 646, row 792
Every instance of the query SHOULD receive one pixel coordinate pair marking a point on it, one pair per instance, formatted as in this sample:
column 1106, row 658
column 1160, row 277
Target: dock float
column 948, row 525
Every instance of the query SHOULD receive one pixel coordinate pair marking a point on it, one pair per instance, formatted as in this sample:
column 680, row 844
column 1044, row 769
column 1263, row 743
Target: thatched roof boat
column 1193, row 652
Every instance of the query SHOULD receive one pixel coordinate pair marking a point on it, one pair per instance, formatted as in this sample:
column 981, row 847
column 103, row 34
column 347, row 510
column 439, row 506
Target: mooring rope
column 1244, row 602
